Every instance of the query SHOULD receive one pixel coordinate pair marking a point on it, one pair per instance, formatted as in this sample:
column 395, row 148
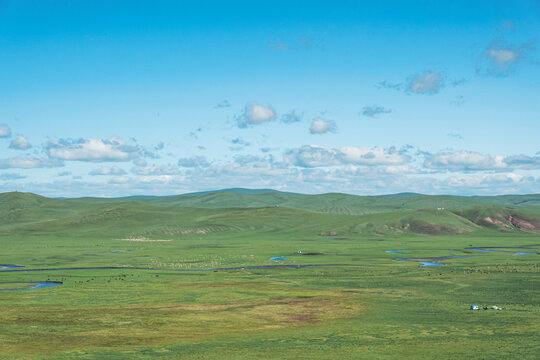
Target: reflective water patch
column 11, row 266
column 37, row 284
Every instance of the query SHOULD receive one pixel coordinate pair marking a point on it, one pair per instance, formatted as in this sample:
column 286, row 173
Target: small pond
column 11, row 266
column 486, row 249
column 431, row 261
column 36, row 285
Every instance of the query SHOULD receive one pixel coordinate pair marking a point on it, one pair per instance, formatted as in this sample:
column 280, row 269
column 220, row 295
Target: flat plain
column 191, row 277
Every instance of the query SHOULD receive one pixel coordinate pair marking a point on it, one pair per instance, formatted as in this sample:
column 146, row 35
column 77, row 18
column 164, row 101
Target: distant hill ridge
column 333, row 203
column 269, row 210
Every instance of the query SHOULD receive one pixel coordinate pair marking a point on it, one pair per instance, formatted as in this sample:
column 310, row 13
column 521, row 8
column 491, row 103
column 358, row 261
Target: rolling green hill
column 232, row 273
column 236, row 211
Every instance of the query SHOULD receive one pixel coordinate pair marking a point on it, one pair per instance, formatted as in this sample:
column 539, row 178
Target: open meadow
column 144, row 281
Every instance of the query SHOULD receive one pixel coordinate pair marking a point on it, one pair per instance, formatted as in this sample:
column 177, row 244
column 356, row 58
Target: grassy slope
column 33, row 214
column 334, row 203
column 378, row 309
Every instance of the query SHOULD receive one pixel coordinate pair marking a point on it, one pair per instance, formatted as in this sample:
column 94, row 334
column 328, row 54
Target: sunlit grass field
column 362, row 305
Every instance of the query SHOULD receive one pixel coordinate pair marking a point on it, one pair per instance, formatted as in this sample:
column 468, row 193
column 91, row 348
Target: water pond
column 432, row 261
column 10, row 266
column 486, row 249
column 36, row 285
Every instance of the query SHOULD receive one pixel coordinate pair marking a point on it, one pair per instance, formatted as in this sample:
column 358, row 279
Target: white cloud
column 384, row 174
column 502, row 56
column 501, row 59
column 462, row 161
column 428, row 83
column 194, row 161
column 25, row 162
column 522, row 162
column 4, row 131
column 155, row 170
column 255, row 114
column 485, row 181
column 473, row 161
column 374, row 110
column 238, row 144
column 20, row 143
column 322, row 126
column 319, row 156
column 372, row 156
column 107, row 170
column 93, row 150
column 290, row 117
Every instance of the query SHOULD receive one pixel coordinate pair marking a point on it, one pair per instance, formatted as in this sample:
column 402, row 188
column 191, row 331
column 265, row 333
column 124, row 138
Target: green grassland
column 361, row 305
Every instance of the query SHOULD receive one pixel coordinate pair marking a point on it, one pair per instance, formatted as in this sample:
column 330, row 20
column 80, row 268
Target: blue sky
column 136, row 97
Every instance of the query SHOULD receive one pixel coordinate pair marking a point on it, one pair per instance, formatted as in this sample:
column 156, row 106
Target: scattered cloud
column 159, row 146
column 140, row 162
column 290, row 118
column 92, row 150
column 238, row 144
column 64, row 173
column 388, row 85
column 222, row 104
column 20, row 143
column 119, row 180
column 470, row 161
column 492, row 183
column 426, row 83
column 25, row 162
column 4, row 131
column 462, row 161
column 455, row 135
column 194, row 161
column 255, row 114
column 501, row 59
column 11, row 176
column 155, row 170
column 522, row 162
column 374, row 110
column 107, row 170
column 322, row 126
column 239, row 141
column 319, row 169
column 318, row 156
column 255, row 161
